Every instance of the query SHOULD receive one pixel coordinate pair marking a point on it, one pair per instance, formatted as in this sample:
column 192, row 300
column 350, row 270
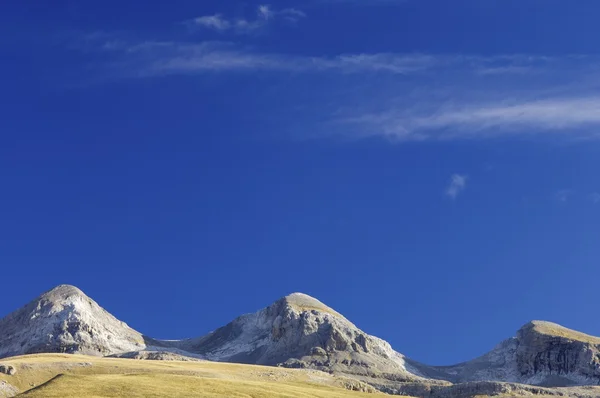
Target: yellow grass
column 553, row 329
column 70, row 376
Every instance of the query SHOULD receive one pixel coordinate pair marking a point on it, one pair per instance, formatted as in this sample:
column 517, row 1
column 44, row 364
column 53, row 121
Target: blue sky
column 428, row 168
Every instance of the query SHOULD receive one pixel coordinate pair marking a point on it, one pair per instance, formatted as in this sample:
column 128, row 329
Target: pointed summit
column 66, row 290
column 62, row 292
column 65, row 320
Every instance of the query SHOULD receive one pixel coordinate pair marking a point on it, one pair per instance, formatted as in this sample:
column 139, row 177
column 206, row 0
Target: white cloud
column 265, row 12
column 458, row 183
column 382, row 62
column 478, row 119
column 292, row 14
column 216, row 22
column 264, row 15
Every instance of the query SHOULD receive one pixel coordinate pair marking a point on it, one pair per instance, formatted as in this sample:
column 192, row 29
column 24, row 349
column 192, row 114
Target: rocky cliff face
column 65, row 320
column 548, row 354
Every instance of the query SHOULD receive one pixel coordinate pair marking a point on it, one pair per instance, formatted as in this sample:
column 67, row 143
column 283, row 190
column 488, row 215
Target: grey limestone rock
column 65, row 320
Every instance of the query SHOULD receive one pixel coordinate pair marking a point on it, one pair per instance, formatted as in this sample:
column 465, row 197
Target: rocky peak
column 64, row 319
column 300, row 331
column 63, row 292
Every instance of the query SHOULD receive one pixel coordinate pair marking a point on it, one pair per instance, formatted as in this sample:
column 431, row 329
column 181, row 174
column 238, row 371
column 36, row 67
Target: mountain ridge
column 299, row 331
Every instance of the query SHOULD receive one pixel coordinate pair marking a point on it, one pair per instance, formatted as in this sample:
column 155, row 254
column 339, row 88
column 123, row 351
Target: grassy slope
column 56, row 375
column 553, row 329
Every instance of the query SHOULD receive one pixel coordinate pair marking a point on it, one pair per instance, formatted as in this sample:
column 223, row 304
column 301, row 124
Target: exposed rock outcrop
column 548, row 354
column 8, row 370
column 156, row 356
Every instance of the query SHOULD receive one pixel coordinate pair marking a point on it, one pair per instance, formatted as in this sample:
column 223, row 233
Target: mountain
column 65, row 320
column 542, row 354
column 298, row 331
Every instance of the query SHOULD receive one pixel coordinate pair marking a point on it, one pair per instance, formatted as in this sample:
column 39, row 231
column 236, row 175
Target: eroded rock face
column 65, row 320
column 548, row 354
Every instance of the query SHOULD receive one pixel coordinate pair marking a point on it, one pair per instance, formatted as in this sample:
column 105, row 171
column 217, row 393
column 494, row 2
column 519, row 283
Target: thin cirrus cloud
column 410, row 97
column 264, row 15
column 154, row 58
column 479, row 119
column 457, row 185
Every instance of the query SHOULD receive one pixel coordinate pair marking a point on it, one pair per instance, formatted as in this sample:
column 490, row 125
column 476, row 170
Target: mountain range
column 298, row 331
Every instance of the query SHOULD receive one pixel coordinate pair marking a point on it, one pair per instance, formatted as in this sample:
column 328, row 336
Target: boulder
column 8, row 370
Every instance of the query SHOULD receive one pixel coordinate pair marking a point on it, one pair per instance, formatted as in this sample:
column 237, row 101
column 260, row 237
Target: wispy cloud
column 171, row 57
column 563, row 195
column 216, row 22
column 154, row 58
column 189, row 56
column 477, row 119
column 264, row 15
column 458, row 183
column 448, row 97
column 504, row 70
